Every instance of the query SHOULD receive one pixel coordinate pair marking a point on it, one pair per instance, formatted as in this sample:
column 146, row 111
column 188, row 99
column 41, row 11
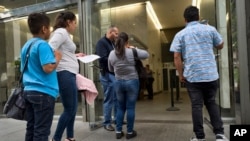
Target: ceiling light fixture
column 54, row 11
column 149, row 8
column 120, row 7
column 102, row 1
column 15, row 19
column 152, row 15
column 127, row 6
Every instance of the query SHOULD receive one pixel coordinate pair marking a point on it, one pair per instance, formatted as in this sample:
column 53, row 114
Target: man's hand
column 182, row 78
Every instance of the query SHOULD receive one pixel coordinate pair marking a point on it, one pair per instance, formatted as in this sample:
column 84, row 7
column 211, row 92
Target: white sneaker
column 195, row 139
column 221, row 137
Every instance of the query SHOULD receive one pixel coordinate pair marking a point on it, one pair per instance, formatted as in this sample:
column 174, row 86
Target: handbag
column 142, row 74
column 15, row 106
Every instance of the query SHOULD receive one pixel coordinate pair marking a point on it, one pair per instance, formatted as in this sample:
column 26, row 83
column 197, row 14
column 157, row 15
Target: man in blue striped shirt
column 195, row 62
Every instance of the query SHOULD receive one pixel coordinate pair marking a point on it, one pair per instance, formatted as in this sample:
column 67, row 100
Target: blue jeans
column 40, row 111
column 110, row 101
column 127, row 93
column 199, row 93
column 68, row 96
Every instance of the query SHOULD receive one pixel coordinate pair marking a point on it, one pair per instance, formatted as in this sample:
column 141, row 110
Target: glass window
column 14, row 33
column 13, row 4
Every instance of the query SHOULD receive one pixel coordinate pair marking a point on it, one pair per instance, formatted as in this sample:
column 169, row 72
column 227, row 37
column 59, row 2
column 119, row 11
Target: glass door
column 95, row 20
column 217, row 19
column 15, row 33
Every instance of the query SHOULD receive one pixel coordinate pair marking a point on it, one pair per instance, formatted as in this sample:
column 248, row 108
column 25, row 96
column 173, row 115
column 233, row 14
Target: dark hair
column 36, row 21
column 62, row 18
column 120, row 44
column 191, row 13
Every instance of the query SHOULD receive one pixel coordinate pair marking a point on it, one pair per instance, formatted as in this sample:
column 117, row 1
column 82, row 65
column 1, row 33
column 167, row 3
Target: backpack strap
column 135, row 54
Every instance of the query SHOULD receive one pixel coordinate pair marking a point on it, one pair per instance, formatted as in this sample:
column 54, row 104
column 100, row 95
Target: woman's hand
column 58, row 55
column 80, row 54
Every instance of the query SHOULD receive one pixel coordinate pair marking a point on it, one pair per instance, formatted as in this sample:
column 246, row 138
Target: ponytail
column 120, row 45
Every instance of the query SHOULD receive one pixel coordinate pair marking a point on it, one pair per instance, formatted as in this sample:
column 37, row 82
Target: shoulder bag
column 15, row 106
column 142, row 74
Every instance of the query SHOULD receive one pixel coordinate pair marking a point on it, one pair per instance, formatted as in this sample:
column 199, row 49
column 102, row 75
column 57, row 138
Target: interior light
column 227, row 16
column 102, row 1
column 121, row 7
column 196, row 3
column 149, row 9
column 54, row 11
column 5, row 15
column 127, row 6
column 152, row 15
column 15, row 19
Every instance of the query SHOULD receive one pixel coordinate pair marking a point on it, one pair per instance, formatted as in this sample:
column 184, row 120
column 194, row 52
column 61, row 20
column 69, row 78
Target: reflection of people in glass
column 149, row 82
column 121, row 62
column 39, row 79
column 194, row 44
column 66, row 71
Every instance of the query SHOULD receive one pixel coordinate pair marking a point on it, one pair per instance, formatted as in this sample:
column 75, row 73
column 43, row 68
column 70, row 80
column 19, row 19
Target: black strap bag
column 139, row 67
column 15, row 106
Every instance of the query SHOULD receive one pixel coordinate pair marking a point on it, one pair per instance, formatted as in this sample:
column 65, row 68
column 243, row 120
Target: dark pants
column 149, row 86
column 40, row 111
column 69, row 98
column 199, row 93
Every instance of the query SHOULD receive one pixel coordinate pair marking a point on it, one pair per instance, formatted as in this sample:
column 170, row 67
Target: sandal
column 69, row 139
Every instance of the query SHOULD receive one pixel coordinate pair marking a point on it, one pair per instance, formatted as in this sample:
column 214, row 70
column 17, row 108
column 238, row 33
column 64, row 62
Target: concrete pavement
column 14, row 130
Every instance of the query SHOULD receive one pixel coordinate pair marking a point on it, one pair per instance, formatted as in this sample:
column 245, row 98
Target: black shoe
column 119, row 135
column 129, row 136
column 109, row 127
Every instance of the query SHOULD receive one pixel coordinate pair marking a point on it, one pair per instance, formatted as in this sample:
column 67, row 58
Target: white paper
column 88, row 58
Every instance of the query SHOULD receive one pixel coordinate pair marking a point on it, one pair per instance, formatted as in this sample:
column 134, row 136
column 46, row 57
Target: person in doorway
column 149, row 82
column 121, row 62
column 39, row 79
column 194, row 44
column 142, row 85
column 103, row 47
column 67, row 69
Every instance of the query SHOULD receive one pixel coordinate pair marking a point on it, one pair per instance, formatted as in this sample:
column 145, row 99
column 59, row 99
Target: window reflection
column 14, row 33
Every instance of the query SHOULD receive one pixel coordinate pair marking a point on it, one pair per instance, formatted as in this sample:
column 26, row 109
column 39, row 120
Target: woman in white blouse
column 67, row 69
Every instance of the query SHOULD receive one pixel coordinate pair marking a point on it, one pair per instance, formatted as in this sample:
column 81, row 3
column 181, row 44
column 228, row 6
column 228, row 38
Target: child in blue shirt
column 39, row 79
